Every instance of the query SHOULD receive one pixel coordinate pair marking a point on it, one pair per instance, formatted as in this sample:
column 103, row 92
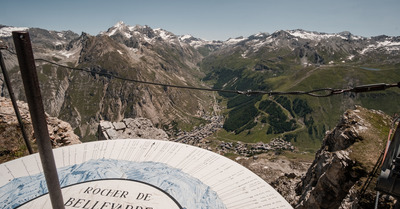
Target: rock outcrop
column 130, row 128
column 348, row 153
column 61, row 133
column 11, row 141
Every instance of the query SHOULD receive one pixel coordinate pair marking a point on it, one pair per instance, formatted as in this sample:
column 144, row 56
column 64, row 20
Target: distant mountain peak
column 187, row 37
column 119, row 24
column 140, row 33
column 6, row 31
column 317, row 36
column 312, row 35
column 198, row 42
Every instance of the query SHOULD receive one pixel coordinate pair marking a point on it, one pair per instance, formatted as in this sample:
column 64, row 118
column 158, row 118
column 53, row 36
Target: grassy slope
column 327, row 110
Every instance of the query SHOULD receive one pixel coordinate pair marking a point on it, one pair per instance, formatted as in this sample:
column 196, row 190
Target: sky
column 208, row 19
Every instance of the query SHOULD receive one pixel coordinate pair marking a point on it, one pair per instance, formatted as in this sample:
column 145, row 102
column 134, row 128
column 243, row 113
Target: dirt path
column 304, row 77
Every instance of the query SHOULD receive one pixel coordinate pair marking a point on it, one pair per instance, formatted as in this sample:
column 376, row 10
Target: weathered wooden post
column 30, row 79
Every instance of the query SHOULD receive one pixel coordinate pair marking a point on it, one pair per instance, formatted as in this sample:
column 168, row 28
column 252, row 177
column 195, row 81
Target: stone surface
column 130, row 128
column 61, row 133
column 119, row 126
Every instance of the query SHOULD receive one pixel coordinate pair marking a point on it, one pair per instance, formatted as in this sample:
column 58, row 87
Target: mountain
column 312, row 47
column 286, row 60
column 202, row 46
column 298, row 60
column 138, row 53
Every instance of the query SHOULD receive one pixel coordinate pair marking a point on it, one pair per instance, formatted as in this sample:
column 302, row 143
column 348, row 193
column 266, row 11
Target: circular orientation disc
column 137, row 174
column 110, row 193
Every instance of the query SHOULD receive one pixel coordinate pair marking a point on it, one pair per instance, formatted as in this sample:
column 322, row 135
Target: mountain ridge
column 300, row 33
column 76, row 96
column 286, row 60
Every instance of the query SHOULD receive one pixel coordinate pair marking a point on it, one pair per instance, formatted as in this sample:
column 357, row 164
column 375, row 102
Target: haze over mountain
column 282, row 61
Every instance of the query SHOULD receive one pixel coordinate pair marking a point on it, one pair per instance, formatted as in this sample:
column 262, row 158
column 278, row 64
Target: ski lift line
column 323, row 92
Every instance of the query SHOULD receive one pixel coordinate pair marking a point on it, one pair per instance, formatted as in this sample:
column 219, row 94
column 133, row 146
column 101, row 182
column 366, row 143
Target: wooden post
column 33, row 95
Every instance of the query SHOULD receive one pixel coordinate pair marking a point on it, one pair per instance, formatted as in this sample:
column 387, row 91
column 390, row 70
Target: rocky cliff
column 133, row 53
column 11, row 142
column 347, row 155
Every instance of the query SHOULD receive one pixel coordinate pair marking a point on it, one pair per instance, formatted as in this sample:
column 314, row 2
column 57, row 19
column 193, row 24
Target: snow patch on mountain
column 7, row 31
column 261, row 35
column 164, row 34
column 147, row 39
column 198, row 42
column 194, row 42
column 119, row 24
column 185, row 37
column 119, row 27
column 61, row 35
column 388, row 44
column 312, row 35
column 233, row 41
column 58, row 43
column 144, row 33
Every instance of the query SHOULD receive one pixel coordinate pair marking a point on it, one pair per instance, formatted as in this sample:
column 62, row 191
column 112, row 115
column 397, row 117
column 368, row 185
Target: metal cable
column 323, row 92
